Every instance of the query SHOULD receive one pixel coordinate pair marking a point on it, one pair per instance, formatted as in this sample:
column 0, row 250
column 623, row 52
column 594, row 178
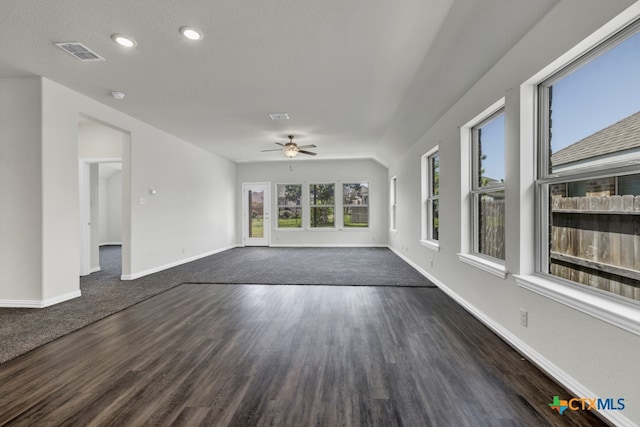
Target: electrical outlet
column 524, row 317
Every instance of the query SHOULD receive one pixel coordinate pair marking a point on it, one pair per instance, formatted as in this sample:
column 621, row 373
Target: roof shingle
column 620, row 136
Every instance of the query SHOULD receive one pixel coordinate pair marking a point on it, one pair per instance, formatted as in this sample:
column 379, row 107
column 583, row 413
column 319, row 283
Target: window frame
column 428, row 197
column 393, row 203
column 616, row 164
column 608, row 308
column 300, row 206
column 477, row 190
column 467, row 255
column 343, row 205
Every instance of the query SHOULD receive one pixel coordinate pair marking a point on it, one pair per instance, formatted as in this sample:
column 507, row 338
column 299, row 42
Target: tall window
column 289, row 205
column 355, row 205
column 322, row 205
column 431, row 198
column 487, row 186
column 393, row 201
column 589, row 175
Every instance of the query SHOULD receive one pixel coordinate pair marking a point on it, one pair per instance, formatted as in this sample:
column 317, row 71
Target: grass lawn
column 289, row 222
column 257, row 227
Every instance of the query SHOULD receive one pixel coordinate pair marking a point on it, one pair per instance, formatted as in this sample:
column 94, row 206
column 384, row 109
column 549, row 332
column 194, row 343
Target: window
column 355, row 205
column 487, row 186
column 431, row 199
column 289, row 205
column 393, row 200
column 482, row 179
column 322, row 205
column 588, row 178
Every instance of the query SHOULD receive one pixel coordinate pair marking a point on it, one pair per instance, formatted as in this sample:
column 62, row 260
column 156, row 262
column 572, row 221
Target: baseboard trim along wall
column 521, row 347
column 16, row 303
column 329, row 245
column 173, row 264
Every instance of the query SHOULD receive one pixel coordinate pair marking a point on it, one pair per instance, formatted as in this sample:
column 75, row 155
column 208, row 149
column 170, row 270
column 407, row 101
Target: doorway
column 104, row 160
column 101, row 194
column 255, row 213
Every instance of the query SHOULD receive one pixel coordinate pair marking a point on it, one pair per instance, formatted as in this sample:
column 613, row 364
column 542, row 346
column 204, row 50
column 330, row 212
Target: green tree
column 292, row 193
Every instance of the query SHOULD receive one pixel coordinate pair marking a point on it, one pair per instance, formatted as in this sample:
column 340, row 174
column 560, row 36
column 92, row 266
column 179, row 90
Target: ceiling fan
column 291, row 149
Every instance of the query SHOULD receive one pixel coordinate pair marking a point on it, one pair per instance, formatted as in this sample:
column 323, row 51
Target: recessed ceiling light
column 192, row 33
column 124, row 40
column 117, row 95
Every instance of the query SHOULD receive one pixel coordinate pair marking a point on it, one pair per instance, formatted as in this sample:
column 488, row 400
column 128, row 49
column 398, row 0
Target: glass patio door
column 255, row 214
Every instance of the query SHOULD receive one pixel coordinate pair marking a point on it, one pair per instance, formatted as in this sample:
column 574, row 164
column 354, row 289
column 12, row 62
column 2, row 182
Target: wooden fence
column 491, row 233
column 359, row 214
column 596, row 241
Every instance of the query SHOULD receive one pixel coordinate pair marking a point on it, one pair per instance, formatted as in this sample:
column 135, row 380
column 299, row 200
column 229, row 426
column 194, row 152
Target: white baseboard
column 328, row 245
column 39, row 303
column 414, row 265
column 21, row 303
column 578, row 389
column 61, row 298
column 94, row 269
column 134, row 276
column 111, row 244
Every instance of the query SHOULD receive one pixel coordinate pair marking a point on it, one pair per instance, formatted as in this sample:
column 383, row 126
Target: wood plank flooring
column 254, row 355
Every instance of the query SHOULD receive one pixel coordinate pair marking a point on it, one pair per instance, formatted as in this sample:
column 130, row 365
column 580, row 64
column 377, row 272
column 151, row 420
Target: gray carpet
column 103, row 294
column 307, row 266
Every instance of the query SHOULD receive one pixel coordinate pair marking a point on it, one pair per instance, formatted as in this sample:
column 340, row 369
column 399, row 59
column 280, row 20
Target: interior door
column 255, row 213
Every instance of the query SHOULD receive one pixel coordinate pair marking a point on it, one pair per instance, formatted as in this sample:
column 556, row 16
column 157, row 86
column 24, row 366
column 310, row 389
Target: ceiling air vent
column 79, row 51
column 279, row 116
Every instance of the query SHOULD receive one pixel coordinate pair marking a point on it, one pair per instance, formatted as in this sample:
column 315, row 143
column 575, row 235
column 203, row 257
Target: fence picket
column 605, row 237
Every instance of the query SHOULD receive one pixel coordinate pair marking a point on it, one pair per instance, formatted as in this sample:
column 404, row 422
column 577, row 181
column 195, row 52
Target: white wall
column 585, row 353
column 111, row 209
column 97, row 140
column 20, row 192
column 193, row 210
column 193, row 213
column 94, row 208
column 103, row 212
column 113, row 218
column 320, row 171
column 187, row 217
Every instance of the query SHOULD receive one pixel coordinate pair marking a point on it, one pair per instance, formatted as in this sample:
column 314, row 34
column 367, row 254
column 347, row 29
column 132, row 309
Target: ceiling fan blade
column 311, row 153
column 275, row 149
column 306, row 146
column 280, row 144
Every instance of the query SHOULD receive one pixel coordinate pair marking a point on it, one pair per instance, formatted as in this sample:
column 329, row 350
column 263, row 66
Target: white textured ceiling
column 359, row 78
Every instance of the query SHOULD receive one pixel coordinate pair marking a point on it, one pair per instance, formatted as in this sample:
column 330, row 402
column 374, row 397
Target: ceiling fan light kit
column 291, row 149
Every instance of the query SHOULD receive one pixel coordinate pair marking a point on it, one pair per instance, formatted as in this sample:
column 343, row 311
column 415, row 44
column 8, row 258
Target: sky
column 492, row 140
column 600, row 93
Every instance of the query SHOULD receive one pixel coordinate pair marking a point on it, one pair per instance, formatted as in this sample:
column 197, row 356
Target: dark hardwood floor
column 245, row 355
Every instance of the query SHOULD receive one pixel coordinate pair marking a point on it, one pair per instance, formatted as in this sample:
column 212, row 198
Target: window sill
column 618, row 313
column 290, row 229
column 492, row 267
column 433, row 245
column 321, row 229
column 354, row 229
